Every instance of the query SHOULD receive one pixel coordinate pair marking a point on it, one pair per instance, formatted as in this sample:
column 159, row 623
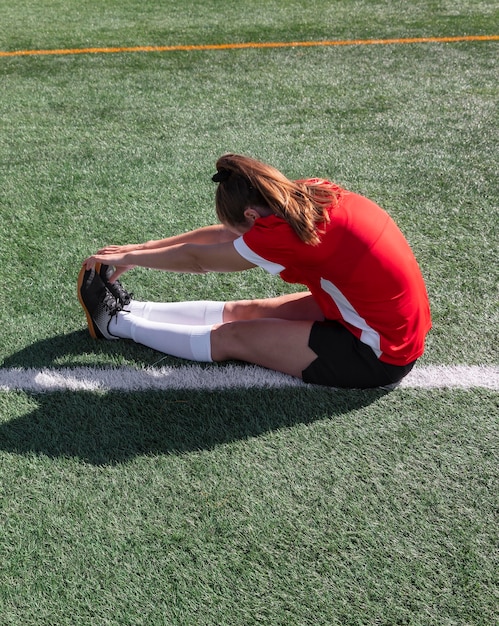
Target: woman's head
column 236, row 191
column 245, row 183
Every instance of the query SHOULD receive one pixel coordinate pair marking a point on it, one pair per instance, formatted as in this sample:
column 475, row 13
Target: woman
column 362, row 323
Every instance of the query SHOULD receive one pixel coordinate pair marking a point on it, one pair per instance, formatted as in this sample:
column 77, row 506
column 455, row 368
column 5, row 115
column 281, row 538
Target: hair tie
column 222, row 175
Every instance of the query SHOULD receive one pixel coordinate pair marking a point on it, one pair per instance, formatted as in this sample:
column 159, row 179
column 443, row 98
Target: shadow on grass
column 69, row 349
column 114, row 427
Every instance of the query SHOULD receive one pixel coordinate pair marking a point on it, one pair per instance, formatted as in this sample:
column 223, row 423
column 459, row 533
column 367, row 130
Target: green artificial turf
column 368, row 509
column 291, row 506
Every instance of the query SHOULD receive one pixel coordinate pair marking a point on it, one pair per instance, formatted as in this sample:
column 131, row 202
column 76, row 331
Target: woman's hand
column 114, row 256
column 118, row 271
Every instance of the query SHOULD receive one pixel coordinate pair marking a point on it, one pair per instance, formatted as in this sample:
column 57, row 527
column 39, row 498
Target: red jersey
column 362, row 274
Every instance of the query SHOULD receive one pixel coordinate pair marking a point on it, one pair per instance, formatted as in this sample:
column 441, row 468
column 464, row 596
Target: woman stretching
column 361, row 323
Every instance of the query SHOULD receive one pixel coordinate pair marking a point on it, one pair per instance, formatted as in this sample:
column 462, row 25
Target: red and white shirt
column 362, row 274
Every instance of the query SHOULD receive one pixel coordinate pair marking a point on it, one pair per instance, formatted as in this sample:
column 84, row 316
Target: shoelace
column 112, row 304
column 120, row 293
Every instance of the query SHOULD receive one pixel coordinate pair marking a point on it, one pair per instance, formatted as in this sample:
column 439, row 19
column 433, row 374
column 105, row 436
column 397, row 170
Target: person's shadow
column 113, row 427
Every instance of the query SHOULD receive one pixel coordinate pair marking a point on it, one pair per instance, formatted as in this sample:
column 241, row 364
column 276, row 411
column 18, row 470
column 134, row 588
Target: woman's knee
column 240, row 310
column 228, row 341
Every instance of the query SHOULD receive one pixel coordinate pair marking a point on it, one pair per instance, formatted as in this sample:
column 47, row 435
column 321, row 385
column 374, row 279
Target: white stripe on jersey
column 248, row 254
column 368, row 336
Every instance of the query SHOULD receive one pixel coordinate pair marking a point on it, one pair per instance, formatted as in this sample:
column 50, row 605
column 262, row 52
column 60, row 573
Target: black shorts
column 344, row 361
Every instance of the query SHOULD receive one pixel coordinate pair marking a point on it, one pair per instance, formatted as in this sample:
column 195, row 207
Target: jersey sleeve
column 274, row 246
column 250, row 255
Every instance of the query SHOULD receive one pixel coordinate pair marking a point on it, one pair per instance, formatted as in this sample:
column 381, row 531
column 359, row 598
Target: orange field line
column 238, row 46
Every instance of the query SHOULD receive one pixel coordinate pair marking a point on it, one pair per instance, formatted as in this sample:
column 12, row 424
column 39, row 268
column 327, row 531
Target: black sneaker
column 119, row 292
column 98, row 302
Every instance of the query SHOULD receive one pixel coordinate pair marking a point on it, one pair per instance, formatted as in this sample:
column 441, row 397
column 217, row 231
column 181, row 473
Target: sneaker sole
column 92, row 329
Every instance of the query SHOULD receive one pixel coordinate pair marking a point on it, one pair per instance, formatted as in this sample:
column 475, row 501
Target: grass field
column 287, row 506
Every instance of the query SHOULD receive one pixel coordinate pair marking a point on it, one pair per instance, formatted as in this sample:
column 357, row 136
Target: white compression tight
column 181, row 329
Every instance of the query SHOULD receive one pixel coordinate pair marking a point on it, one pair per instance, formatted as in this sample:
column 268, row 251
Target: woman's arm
column 207, row 235
column 202, row 236
column 183, row 257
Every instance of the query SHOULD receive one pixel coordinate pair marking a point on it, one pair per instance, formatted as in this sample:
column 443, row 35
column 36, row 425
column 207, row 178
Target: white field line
column 195, row 377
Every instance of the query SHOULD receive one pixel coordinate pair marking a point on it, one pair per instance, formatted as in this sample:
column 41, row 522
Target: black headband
column 222, row 175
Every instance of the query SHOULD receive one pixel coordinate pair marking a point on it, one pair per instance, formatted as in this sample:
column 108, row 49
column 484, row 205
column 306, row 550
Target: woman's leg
column 197, row 312
column 271, row 332
column 265, row 332
column 297, row 306
column 188, row 341
column 276, row 344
